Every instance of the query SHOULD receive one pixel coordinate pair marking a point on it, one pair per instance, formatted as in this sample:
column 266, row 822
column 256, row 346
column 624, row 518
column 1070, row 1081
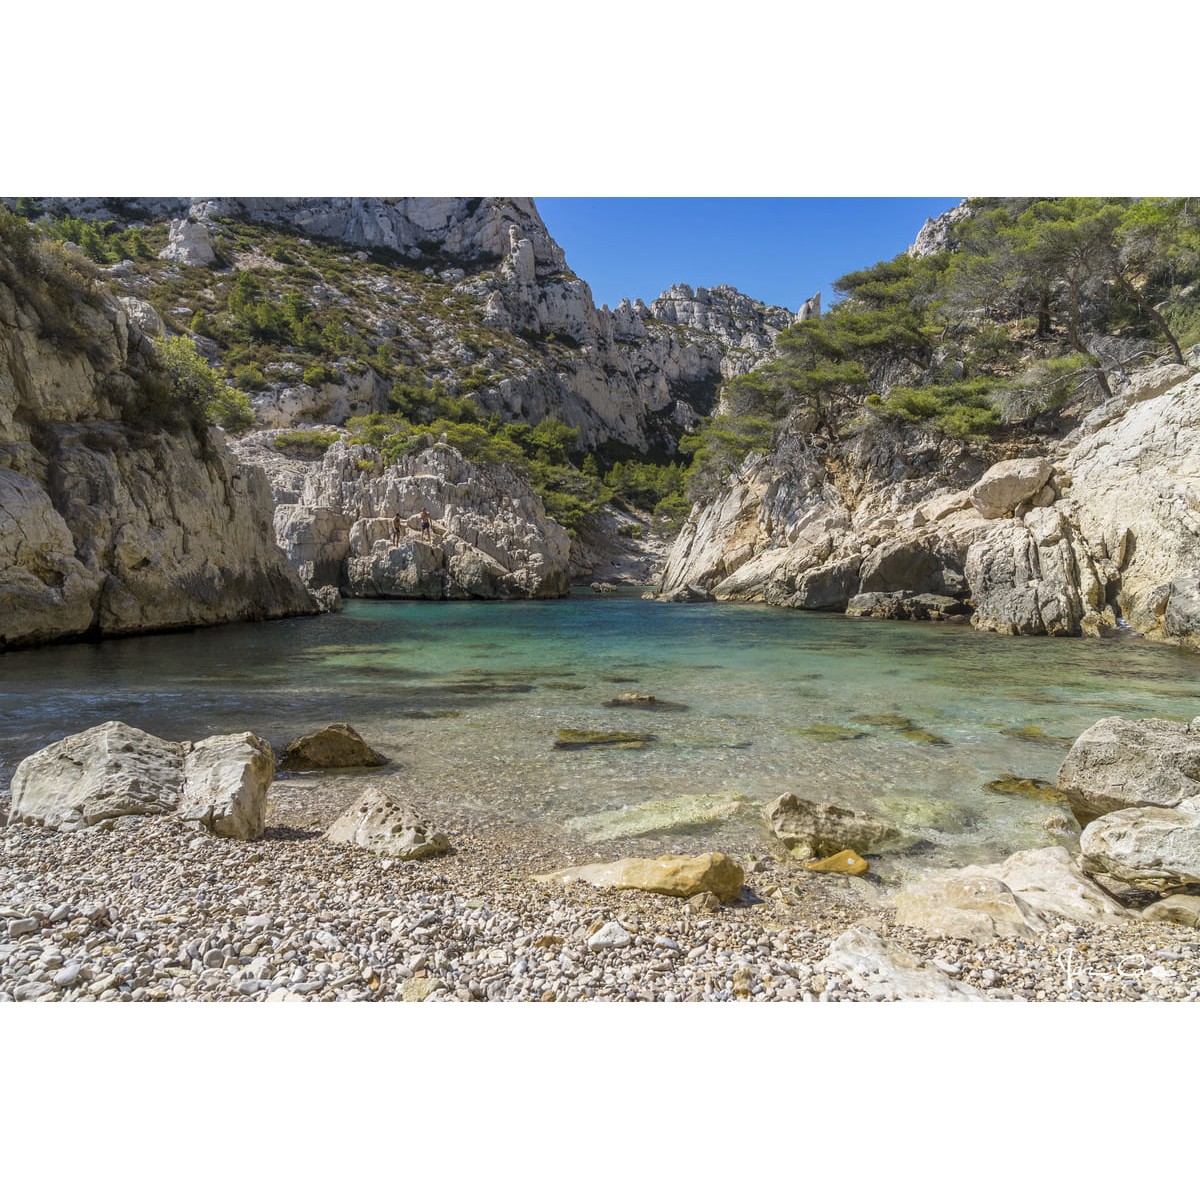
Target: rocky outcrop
column 113, row 770
column 1098, row 533
column 938, row 233
column 190, row 242
column 490, row 537
column 387, row 825
column 116, row 520
column 503, row 302
column 670, row 875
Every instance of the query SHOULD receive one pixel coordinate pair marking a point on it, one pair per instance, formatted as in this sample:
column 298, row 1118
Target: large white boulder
column 225, row 782
column 1153, row 848
column 1118, row 763
column 108, row 771
column 1009, row 484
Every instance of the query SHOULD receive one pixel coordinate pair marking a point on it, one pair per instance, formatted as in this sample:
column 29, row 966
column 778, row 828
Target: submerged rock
column 644, row 700
column 811, row 829
column 669, row 875
column 334, row 747
column 676, row 814
column 1029, row 789
column 387, row 825
column 581, row 739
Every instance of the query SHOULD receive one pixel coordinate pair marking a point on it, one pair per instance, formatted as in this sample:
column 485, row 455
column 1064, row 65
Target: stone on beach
column 1117, row 763
column 1153, row 848
column 332, row 748
column 108, row 771
column 845, row 862
column 385, row 824
column 885, row 971
column 812, row 829
column 225, row 782
column 669, row 875
column 967, row 903
column 1019, row 897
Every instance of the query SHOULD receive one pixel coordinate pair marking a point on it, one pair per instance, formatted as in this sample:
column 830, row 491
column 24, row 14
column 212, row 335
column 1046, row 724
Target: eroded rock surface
column 114, row 770
column 387, row 825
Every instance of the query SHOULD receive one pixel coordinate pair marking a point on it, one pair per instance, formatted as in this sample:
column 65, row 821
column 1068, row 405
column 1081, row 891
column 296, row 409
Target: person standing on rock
column 426, row 525
column 396, row 527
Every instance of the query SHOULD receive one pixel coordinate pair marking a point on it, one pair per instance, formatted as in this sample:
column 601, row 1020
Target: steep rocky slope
column 473, row 294
column 1079, row 535
column 113, row 523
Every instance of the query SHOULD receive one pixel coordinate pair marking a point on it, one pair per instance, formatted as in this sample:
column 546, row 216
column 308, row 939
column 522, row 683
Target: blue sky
column 777, row 250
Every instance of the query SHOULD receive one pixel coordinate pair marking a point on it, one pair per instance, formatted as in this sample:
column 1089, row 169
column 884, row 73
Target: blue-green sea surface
column 909, row 720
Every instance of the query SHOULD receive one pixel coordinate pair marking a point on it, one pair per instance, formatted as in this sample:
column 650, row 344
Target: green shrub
column 196, row 389
column 305, row 443
column 318, row 374
column 249, row 378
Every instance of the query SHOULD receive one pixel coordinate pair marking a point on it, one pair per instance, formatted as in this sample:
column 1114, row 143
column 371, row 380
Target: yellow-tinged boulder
column 847, row 862
column 669, row 875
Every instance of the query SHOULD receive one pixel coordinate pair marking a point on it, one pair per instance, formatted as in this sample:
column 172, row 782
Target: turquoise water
column 467, row 699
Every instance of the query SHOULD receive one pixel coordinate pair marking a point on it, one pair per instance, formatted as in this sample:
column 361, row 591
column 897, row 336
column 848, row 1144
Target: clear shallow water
column 468, row 698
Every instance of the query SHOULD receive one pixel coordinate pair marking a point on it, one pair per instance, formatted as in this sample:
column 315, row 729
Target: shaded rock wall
column 106, row 526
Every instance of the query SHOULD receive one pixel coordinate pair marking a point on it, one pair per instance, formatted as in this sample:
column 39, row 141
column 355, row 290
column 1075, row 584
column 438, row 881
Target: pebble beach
column 151, row 910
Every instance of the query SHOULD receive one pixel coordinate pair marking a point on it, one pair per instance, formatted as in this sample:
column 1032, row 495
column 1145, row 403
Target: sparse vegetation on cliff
column 1043, row 304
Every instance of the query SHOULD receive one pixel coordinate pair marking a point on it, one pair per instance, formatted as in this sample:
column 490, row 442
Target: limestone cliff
column 490, row 537
column 473, row 294
column 1098, row 531
column 111, row 522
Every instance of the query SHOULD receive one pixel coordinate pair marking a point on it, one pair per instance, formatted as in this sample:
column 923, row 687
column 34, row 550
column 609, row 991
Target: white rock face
column 1101, row 529
column 225, row 782
column 491, row 538
column 114, row 527
column 1149, row 847
column 190, row 242
column 887, row 972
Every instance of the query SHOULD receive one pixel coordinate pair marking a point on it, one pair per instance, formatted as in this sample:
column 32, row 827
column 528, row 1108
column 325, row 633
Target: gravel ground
column 151, row 910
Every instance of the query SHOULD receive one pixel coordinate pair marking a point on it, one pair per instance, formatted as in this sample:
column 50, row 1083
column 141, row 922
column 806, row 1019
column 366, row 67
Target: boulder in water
column 811, row 829
column 334, row 747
